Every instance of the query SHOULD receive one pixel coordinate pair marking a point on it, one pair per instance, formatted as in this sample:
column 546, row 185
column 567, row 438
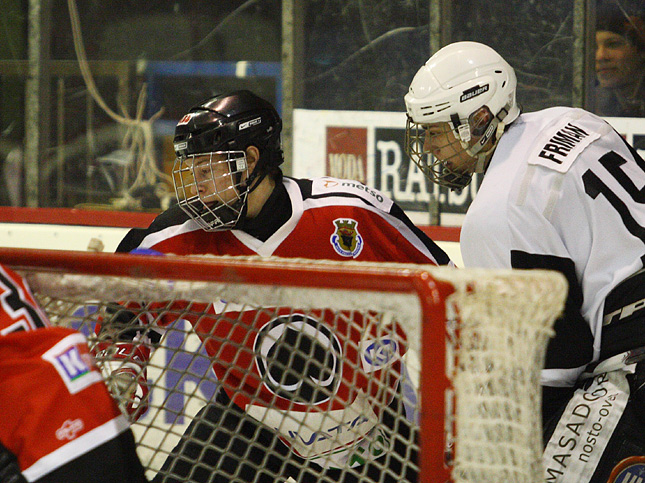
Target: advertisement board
column 368, row 146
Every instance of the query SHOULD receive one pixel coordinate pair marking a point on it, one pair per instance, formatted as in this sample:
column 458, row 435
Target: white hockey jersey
column 564, row 191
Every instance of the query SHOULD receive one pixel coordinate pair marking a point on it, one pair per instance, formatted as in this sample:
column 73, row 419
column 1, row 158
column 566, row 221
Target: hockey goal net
column 270, row 370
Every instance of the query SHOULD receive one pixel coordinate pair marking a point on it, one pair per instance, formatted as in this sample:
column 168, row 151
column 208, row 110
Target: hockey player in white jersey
column 561, row 190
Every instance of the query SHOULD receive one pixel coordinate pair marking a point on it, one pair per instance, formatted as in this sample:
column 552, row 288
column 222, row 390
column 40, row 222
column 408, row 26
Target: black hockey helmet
column 214, row 134
column 231, row 122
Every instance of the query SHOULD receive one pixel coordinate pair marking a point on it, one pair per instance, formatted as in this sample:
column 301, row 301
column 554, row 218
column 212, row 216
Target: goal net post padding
column 451, row 355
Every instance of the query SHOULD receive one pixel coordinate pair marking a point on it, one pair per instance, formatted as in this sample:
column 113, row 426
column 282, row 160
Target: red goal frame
column 430, row 292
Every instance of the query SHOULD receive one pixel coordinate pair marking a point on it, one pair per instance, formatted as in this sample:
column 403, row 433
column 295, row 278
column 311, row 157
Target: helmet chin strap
column 246, row 185
column 255, row 175
column 482, row 157
column 252, row 177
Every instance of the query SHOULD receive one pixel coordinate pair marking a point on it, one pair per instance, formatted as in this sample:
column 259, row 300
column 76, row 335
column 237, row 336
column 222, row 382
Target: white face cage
column 211, row 189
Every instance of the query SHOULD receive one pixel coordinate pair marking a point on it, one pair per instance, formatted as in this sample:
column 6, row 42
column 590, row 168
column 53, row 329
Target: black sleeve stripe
column 438, row 253
column 339, row 194
column 306, row 185
column 572, row 345
column 171, row 217
column 132, row 240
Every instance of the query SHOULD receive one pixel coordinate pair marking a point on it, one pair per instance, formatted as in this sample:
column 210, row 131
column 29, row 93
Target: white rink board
column 58, row 237
column 72, row 237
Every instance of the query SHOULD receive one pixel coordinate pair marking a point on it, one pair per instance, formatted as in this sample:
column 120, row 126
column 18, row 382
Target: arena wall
column 82, row 230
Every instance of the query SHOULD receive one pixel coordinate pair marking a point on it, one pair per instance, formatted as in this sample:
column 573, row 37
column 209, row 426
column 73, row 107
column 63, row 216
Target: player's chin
column 200, row 206
column 214, row 207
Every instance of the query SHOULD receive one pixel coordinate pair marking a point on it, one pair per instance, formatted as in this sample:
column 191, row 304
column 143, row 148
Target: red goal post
column 476, row 338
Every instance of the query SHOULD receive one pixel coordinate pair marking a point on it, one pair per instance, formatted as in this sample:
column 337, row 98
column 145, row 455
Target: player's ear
column 252, row 157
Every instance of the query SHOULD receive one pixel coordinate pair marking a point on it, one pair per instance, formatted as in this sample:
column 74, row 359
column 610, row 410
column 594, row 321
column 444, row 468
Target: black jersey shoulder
column 171, row 217
column 343, row 188
column 304, row 185
column 440, row 255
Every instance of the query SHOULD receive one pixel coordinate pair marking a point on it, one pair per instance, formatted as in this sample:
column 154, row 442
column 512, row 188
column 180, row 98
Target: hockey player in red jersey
column 234, row 200
column 561, row 190
column 58, row 421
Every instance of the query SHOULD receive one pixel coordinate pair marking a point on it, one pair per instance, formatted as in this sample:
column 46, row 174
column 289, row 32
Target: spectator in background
column 620, row 63
column 11, row 181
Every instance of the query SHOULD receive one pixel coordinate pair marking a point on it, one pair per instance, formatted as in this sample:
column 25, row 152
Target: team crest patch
column 71, row 359
column 629, row 470
column 346, row 240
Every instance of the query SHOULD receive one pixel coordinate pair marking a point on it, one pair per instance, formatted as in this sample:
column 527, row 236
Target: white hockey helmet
column 453, row 87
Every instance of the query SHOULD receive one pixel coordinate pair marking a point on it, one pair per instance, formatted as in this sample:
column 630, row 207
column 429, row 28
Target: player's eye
column 434, row 130
column 615, row 44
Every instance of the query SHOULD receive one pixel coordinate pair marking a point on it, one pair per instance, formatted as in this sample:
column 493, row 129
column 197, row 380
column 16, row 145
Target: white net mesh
column 500, row 344
column 261, row 382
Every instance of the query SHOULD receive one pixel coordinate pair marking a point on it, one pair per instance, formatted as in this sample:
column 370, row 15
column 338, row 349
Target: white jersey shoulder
column 328, row 186
column 564, row 134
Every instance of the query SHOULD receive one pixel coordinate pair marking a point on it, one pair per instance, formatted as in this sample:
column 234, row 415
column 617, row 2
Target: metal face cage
column 211, row 188
column 436, row 170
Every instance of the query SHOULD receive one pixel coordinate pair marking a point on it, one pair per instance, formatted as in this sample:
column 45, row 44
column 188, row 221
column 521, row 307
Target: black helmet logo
column 251, row 123
column 299, row 359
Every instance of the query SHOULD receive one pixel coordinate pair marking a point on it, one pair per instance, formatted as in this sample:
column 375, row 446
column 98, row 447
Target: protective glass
column 210, row 188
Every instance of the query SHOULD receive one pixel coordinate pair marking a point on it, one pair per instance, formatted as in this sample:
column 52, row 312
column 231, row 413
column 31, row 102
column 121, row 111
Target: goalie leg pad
column 223, row 441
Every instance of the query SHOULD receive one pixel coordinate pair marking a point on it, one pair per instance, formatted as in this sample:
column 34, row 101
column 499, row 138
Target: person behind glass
column 563, row 191
column 620, row 63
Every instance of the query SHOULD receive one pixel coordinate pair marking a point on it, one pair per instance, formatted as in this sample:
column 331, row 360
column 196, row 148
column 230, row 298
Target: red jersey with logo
column 331, row 219
column 53, row 403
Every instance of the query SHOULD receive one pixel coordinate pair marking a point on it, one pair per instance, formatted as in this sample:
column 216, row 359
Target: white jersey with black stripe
column 563, row 191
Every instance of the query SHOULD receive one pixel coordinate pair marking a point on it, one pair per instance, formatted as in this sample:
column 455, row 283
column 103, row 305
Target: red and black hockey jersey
column 331, row 219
